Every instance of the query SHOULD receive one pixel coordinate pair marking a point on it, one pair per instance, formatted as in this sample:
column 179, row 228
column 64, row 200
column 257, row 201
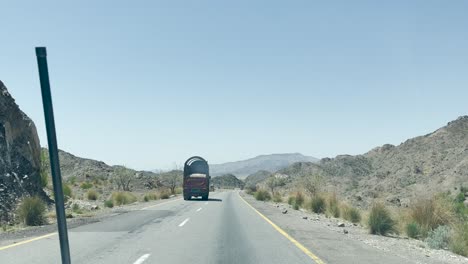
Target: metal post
column 41, row 54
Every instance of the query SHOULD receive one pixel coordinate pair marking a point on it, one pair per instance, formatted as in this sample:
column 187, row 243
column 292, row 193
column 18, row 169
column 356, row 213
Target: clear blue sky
column 149, row 83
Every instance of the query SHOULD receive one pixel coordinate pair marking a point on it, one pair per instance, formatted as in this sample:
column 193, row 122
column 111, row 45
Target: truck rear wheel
column 187, row 197
column 205, row 197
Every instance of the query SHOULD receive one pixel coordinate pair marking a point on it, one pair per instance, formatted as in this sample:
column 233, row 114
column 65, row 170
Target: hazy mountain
column 269, row 163
column 419, row 166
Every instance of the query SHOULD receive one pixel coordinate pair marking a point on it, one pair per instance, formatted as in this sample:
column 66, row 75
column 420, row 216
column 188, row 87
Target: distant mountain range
column 270, row 163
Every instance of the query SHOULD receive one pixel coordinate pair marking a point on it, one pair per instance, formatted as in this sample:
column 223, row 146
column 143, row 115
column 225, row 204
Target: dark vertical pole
column 41, row 54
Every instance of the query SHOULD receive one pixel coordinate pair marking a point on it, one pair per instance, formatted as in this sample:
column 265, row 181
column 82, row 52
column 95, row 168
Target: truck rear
column 196, row 178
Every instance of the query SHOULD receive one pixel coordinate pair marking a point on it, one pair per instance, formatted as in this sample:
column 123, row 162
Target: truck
column 196, row 178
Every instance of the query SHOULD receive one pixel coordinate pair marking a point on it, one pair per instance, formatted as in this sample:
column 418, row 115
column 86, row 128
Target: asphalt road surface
column 224, row 229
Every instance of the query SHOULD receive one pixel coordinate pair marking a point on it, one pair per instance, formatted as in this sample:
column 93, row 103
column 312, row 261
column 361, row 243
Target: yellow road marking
column 290, row 238
column 27, row 241
column 51, row 234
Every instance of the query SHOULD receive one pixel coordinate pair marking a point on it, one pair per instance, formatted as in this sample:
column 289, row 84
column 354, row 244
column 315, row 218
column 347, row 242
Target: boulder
column 285, row 211
column 19, row 156
column 341, row 224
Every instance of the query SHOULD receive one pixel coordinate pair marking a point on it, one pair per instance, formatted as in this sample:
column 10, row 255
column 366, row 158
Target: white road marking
column 184, row 222
column 199, row 209
column 141, row 259
column 206, row 202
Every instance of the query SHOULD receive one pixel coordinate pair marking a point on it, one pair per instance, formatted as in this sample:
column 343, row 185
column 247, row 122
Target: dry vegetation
column 440, row 220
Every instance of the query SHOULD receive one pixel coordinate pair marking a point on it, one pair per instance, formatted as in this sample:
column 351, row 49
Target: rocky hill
column 420, row 166
column 227, row 181
column 269, row 163
column 19, row 156
column 257, row 177
column 77, row 169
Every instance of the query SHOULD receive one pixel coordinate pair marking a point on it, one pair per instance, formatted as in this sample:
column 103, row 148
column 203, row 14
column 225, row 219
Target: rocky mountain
column 79, row 169
column 19, row 156
column 257, row 177
column 423, row 165
column 269, row 163
column 227, row 181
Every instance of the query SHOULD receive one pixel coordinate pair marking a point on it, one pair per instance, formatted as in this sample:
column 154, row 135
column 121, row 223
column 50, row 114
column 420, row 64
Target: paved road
column 222, row 230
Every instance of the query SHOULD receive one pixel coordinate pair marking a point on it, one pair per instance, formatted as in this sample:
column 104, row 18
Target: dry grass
column 121, row 198
column 380, row 220
column 333, row 205
column 31, row 211
column 429, row 213
column 350, row 213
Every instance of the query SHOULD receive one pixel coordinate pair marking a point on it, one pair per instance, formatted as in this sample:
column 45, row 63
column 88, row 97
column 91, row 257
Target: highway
column 224, row 229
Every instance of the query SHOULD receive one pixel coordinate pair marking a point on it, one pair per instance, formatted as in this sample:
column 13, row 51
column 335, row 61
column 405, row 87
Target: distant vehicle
column 196, row 178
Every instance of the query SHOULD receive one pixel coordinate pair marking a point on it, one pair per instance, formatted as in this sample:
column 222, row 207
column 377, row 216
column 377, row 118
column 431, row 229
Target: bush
column 295, row 206
column 109, row 203
column 31, row 211
column 262, row 195
column 277, row 198
column 76, row 209
column 431, row 213
column 317, row 204
column 351, row 214
column 332, row 206
column 121, row 198
column 380, row 222
column 251, row 189
column 164, row 194
column 439, row 238
column 291, row 200
column 299, row 199
column 413, row 230
column 92, row 195
column 67, row 191
column 459, row 242
column 86, row 185
column 150, row 196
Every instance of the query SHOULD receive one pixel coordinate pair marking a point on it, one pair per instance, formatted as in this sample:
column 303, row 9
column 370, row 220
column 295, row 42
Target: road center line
column 199, row 209
column 141, row 259
column 184, row 222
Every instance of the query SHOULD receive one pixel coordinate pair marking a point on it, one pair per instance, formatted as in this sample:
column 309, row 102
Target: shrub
column 439, row 238
column 262, row 195
column 431, row 213
column 317, row 204
column 76, row 209
column 351, row 214
column 67, row 191
column 277, row 198
column 164, row 194
column 332, row 206
column 92, row 195
column 295, row 206
column 251, row 189
column 72, row 180
column 121, row 198
column 380, row 222
column 31, row 211
column 459, row 242
column 299, row 199
column 413, row 230
column 291, row 200
column 109, row 203
column 86, row 185
column 150, row 196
